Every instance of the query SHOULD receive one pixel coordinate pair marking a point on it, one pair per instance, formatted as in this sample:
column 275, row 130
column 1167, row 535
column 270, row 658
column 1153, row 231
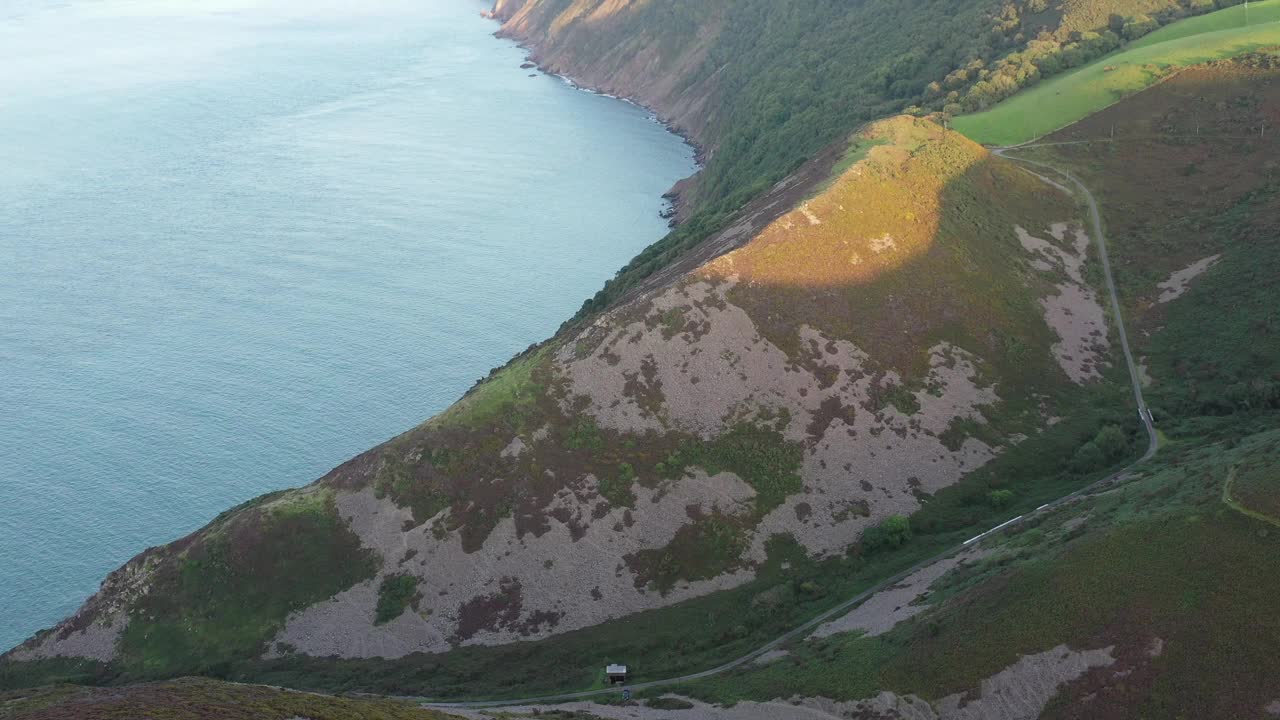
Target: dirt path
column 1231, row 501
column 1135, row 378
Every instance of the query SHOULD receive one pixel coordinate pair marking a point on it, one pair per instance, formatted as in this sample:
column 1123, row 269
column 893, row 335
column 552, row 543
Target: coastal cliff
column 830, row 369
column 654, row 68
column 871, row 339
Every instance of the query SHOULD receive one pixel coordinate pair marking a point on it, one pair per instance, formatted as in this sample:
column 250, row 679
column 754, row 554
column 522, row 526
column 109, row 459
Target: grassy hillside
column 763, row 85
column 1173, row 567
column 1062, row 100
column 1213, row 350
column 912, row 253
column 1259, row 12
column 198, row 699
column 1158, row 562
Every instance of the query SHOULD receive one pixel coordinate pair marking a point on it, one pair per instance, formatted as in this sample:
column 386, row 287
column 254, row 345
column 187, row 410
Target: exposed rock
column 1020, row 691
column 449, row 577
column 1074, row 313
column 771, row 656
column 884, row 610
column 96, row 641
column 1180, row 281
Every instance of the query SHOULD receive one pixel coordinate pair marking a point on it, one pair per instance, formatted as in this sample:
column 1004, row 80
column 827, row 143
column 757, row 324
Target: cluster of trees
column 893, row 532
column 981, row 82
column 1238, row 397
column 1106, row 447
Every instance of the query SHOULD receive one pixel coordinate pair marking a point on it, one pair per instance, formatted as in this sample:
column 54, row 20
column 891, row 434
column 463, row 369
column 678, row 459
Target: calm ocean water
column 242, row 240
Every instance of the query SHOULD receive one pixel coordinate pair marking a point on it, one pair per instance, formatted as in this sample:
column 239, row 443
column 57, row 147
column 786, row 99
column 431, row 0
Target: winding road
column 1095, row 219
column 1144, row 415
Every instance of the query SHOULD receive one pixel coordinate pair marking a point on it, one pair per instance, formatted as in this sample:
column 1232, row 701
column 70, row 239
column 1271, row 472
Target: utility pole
column 1246, row 12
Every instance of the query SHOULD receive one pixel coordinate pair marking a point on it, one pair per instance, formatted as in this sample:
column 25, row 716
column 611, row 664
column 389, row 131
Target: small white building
column 616, row 674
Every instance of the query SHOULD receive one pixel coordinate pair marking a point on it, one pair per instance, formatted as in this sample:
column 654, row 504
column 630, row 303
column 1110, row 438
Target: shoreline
column 675, row 194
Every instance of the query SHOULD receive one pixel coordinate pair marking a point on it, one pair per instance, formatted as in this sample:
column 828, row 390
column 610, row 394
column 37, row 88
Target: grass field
column 1267, row 11
column 1067, row 98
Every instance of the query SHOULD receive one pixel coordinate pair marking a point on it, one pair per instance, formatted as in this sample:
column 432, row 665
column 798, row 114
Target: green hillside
column 1258, row 12
column 1160, row 558
column 1182, row 555
column 1067, row 98
column 766, row 85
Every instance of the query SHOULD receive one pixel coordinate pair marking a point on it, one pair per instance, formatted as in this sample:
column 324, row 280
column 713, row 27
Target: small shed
column 616, row 674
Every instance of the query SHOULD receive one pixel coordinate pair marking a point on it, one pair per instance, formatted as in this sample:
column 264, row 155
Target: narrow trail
column 1095, row 219
column 1144, row 415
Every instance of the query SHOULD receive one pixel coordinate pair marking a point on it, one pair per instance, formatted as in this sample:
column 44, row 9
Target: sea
column 244, row 240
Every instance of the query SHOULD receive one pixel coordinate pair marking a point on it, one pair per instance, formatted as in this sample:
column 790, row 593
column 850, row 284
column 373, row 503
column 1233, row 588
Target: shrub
column 396, row 593
column 809, row 587
column 1088, row 458
column 1111, row 442
column 761, row 456
column 1137, row 26
column 893, row 532
column 999, row 499
column 617, row 490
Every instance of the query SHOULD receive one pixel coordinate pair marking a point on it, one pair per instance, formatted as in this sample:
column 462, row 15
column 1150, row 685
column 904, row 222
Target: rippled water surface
column 242, row 240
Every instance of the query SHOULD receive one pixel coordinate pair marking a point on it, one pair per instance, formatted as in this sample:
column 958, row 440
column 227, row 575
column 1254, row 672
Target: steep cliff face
column 653, row 56
column 762, row 85
column 647, row 52
column 857, row 355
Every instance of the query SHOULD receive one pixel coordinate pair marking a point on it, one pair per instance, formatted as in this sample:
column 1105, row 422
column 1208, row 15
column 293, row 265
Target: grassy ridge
column 1213, row 351
column 1066, row 98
